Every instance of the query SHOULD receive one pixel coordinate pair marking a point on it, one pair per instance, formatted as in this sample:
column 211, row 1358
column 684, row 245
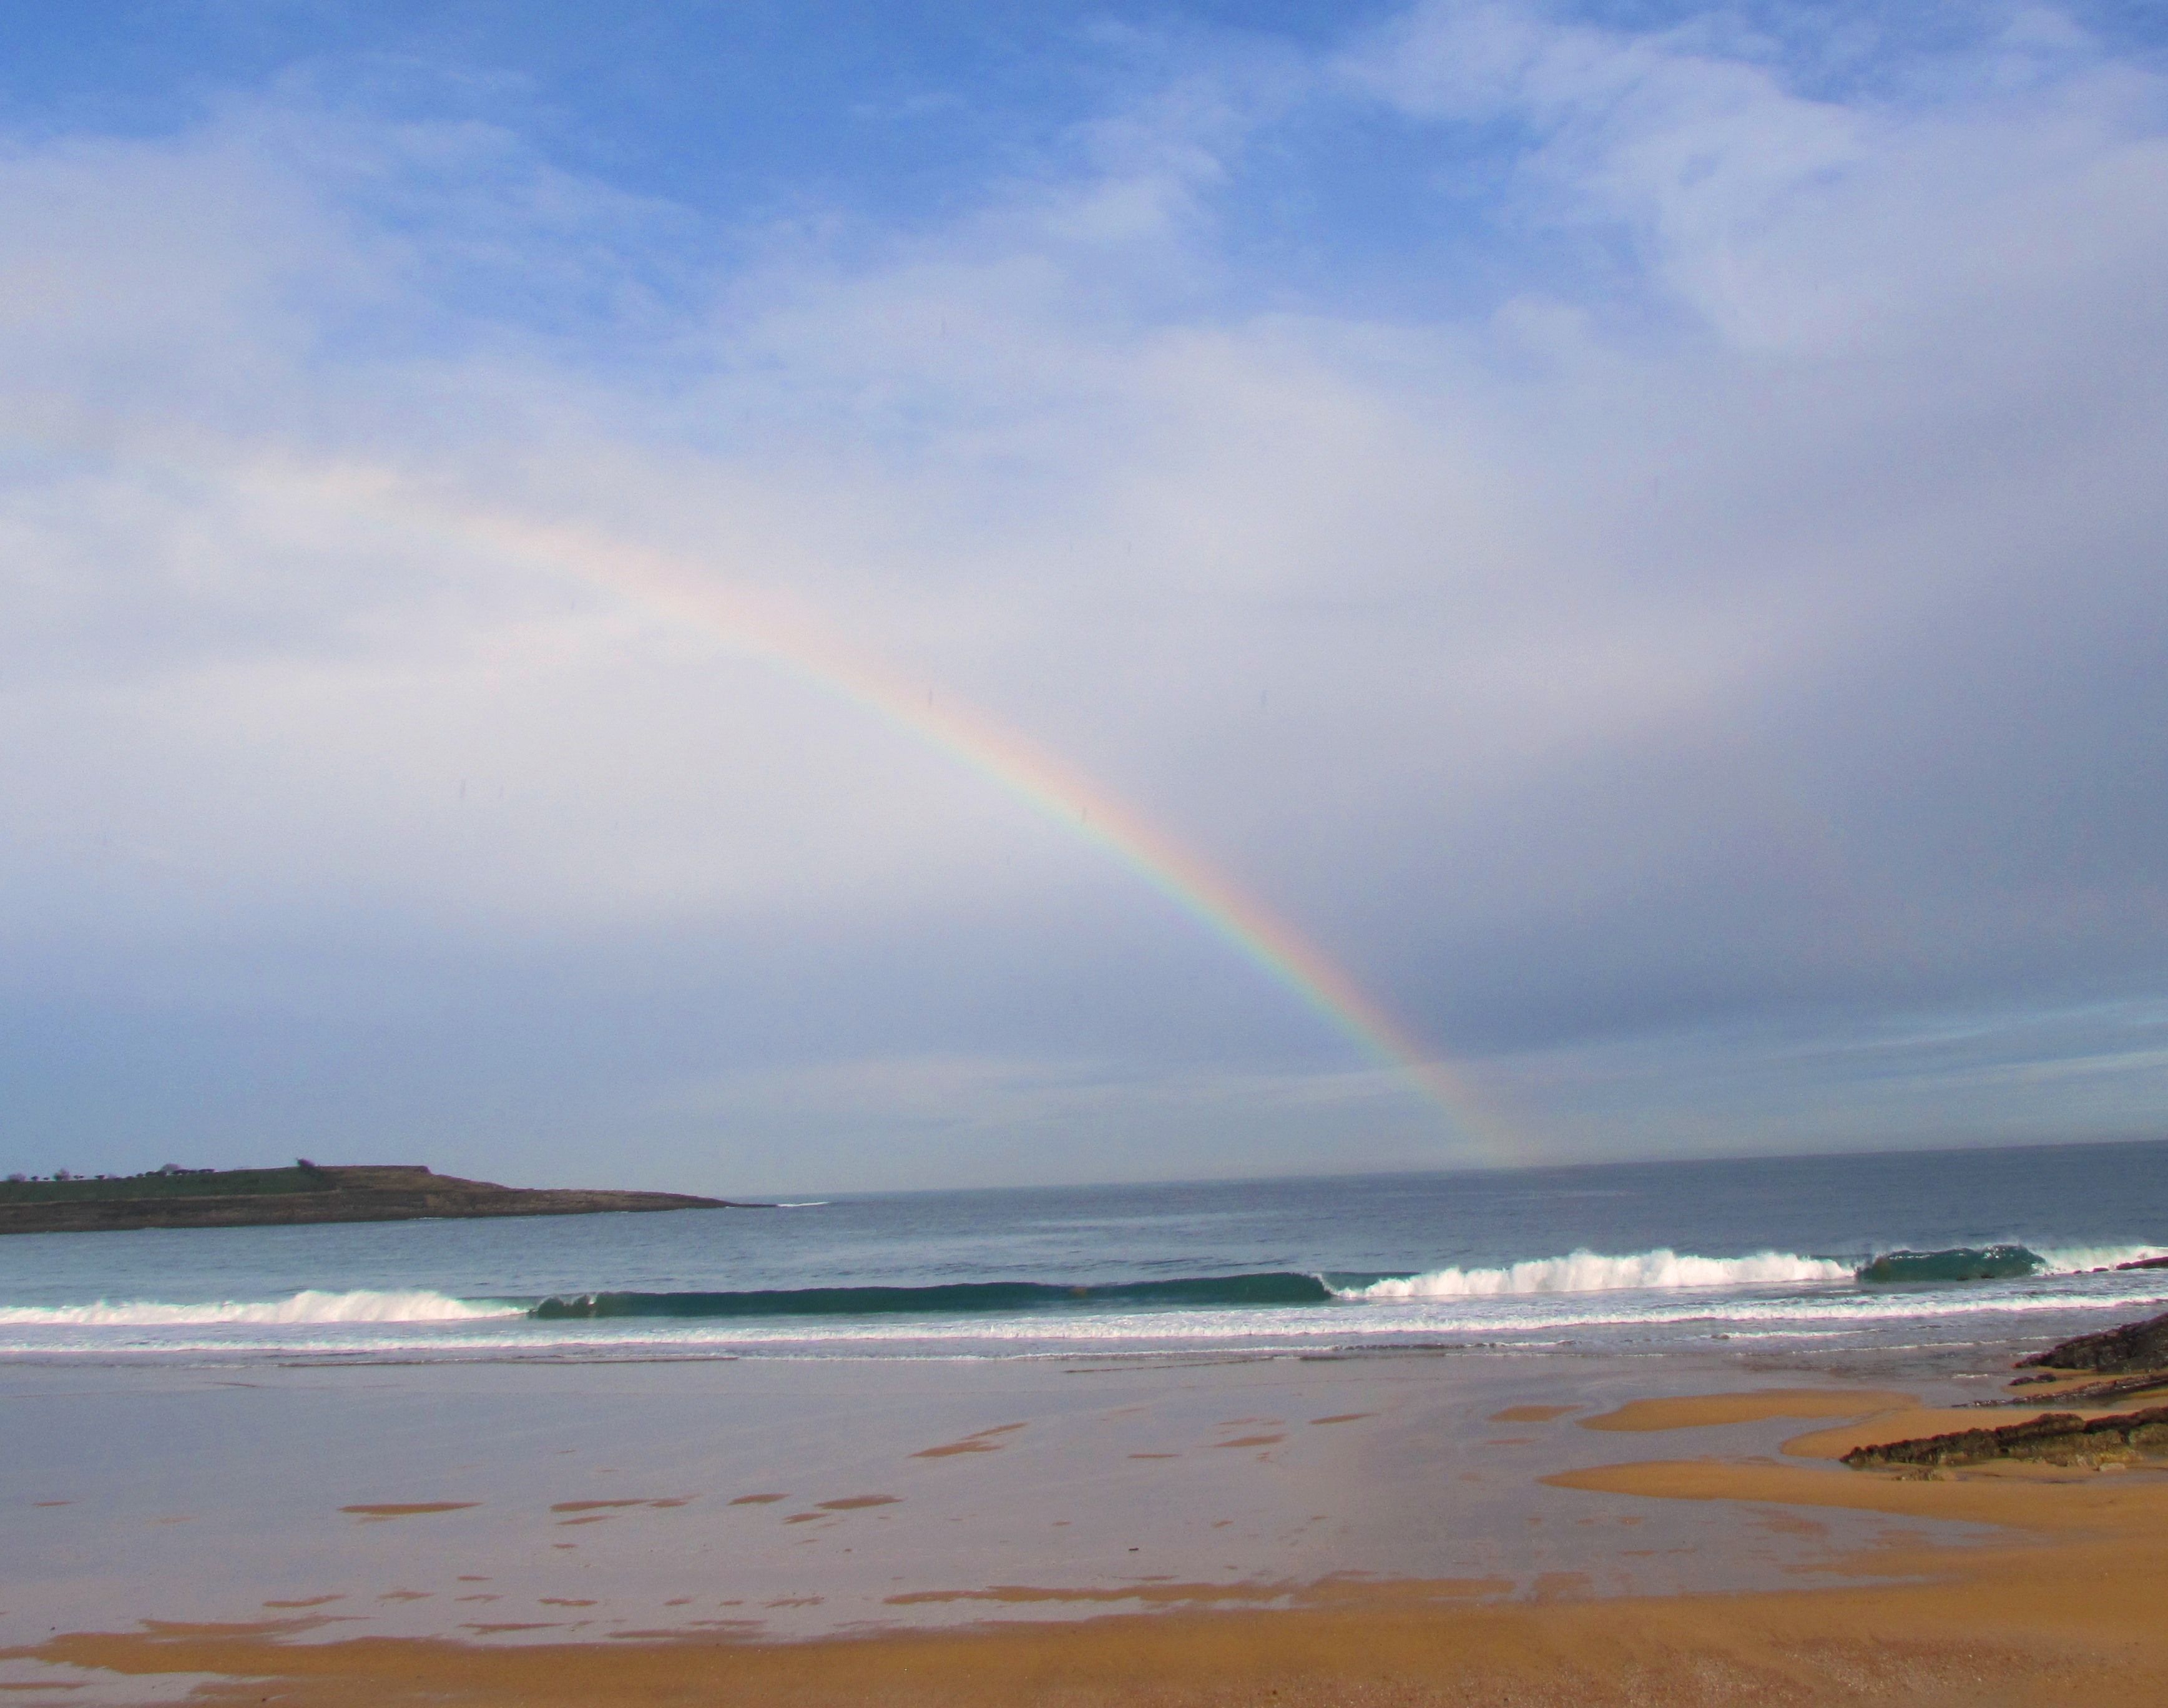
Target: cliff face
column 251, row 1198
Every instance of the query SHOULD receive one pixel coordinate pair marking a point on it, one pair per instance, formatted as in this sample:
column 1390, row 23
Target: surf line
column 676, row 587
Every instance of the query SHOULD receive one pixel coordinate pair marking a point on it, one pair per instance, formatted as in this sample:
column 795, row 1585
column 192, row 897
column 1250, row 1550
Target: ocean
column 1943, row 1249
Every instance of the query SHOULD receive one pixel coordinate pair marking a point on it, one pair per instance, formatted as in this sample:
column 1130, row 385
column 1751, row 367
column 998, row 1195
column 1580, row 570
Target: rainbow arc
column 681, row 589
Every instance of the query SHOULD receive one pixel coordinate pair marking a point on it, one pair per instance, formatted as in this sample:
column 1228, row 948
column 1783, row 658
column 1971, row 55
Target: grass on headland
column 221, row 1183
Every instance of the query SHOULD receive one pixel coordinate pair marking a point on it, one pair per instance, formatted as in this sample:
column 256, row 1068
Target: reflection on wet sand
column 1090, row 1554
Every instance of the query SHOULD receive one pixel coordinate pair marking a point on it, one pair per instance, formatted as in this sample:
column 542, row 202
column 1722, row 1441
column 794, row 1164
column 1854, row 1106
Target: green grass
column 252, row 1182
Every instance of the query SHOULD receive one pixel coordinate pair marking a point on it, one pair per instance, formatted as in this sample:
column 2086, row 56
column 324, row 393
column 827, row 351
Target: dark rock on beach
column 2133, row 1358
column 2133, row 1348
column 2092, row 1393
column 2059, row 1438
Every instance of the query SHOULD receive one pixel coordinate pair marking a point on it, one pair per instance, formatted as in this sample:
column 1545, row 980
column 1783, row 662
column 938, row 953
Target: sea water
column 1992, row 1246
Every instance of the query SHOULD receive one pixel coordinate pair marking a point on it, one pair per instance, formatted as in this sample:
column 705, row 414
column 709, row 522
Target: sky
column 821, row 597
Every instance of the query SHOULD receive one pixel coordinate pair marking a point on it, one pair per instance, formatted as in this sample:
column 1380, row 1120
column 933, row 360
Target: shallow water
column 791, row 1499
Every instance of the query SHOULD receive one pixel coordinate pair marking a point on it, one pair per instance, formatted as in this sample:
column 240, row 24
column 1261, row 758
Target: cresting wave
column 1993, row 1263
column 1276, row 1287
column 1581, row 1272
column 1593, row 1272
column 2000, row 1263
column 417, row 1305
column 1578, row 1272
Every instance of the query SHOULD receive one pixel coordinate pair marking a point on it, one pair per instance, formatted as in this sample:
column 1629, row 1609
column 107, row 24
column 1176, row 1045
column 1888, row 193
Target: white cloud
column 1577, row 664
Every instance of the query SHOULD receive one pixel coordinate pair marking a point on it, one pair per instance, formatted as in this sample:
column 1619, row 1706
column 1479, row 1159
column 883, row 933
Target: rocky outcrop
column 2134, row 1358
column 2125, row 1351
column 2083, row 1393
column 2059, row 1438
column 312, row 1193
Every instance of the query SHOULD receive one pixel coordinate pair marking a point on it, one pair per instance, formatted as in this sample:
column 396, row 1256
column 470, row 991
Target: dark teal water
column 1631, row 1254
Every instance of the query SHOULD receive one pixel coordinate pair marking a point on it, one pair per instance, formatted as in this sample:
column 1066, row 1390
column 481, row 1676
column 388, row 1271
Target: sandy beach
column 1414, row 1528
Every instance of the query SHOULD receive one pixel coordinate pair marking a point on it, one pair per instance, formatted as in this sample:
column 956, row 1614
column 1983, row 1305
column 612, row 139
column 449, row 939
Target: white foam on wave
column 1592, row 1317
column 1594, row 1272
column 2082, row 1260
column 412, row 1305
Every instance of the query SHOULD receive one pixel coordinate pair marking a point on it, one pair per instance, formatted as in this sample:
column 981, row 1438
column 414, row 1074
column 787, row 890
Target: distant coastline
column 307, row 1192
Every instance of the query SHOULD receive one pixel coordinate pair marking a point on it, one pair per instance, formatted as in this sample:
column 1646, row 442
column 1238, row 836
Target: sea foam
column 1594, row 1272
column 2082, row 1259
column 413, row 1305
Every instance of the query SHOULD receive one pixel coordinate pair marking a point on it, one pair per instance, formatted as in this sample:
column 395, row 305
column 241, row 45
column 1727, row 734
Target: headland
column 307, row 1192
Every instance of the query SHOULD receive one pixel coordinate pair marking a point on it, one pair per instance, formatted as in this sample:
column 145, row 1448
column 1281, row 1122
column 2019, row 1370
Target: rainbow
column 680, row 589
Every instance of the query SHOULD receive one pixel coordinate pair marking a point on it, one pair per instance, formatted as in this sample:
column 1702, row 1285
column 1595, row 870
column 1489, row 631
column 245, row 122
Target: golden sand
column 1705, row 1411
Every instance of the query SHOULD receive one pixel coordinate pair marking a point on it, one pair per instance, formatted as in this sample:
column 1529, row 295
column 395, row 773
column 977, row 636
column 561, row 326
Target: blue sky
column 1634, row 528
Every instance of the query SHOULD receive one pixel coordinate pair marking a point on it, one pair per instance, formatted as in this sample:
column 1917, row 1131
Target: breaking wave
column 1784, row 1283
column 1276, row 1287
column 417, row 1305
column 2001, row 1262
column 1594, row 1272
column 1993, row 1263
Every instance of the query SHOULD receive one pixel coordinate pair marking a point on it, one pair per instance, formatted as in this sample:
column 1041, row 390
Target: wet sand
column 1444, row 1529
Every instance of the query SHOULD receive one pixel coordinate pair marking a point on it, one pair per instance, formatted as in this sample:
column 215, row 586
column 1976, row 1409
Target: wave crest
column 1276, row 1287
column 1595, row 1271
column 1963, row 1262
column 413, row 1305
